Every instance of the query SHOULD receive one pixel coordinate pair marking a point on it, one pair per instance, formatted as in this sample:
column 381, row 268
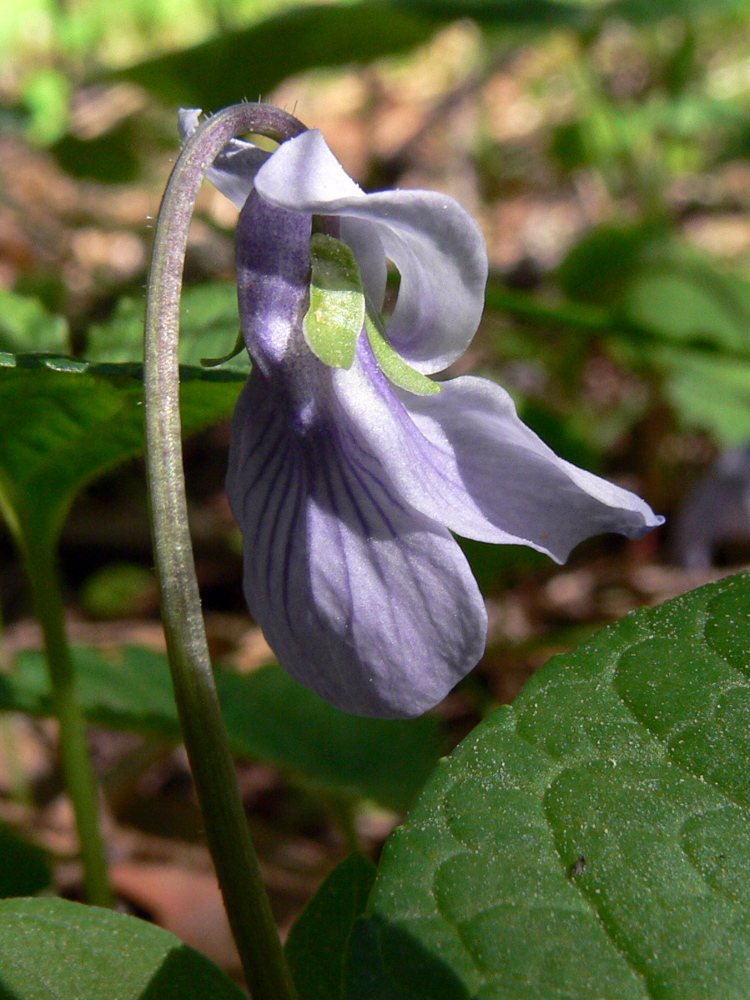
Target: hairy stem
column 205, row 737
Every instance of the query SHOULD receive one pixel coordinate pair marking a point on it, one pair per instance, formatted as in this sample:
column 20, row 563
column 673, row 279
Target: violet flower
column 346, row 485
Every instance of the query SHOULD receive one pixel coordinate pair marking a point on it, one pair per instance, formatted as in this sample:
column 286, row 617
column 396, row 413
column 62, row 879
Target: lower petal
column 464, row 458
column 364, row 600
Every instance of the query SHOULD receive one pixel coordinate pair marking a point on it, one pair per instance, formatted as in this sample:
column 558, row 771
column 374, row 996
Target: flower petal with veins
column 465, row 457
column 364, row 599
column 346, row 487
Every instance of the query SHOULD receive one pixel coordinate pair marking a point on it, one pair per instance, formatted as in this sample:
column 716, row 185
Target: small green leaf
column 213, row 73
column 317, row 945
column 25, row 325
column 23, row 866
column 334, row 321
column 47, row 93
column 51, row 948
column 709, row 392
column 394, row 367
column 268, row 716
column 591, row 840
column 691, row 303
column 119, row 590
column 239, row 347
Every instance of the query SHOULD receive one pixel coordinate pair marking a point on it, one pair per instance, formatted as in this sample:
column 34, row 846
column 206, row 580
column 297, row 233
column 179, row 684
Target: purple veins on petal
column 363, row 599
column 346, row 487
column 465, row 458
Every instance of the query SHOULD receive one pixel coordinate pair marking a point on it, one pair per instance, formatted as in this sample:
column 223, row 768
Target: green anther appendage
column 338, row 311
column 393, row 365
column 334, row 321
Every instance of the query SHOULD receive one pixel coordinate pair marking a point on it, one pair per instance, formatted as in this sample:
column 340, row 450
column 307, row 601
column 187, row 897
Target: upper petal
column 465, row 458
column 364, row 600
column 234, row 169
column 434, row 242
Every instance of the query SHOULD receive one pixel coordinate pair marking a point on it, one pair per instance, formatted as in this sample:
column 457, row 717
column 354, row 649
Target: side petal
column 464, row 458
column 434, row 242
column 234, row 169
column 365, row 601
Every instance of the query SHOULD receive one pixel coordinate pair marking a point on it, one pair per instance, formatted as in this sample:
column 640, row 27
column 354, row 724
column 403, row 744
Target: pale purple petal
column 234, row 169
column 363, row 600
column 435, row 244
column 362, row 237
column 465, row 458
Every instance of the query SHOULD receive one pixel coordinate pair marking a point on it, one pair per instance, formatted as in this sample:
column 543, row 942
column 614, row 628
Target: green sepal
column 239, row 347
column 336, row 315
column 393, row 365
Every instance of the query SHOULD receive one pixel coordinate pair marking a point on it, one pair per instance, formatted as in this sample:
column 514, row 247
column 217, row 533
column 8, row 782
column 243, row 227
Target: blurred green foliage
column 644, row 104
column 633, row 334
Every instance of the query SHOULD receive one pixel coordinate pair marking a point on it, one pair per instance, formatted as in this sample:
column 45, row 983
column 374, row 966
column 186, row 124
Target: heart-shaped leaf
column 51, row 949
column 593, row 839
column 65, row 421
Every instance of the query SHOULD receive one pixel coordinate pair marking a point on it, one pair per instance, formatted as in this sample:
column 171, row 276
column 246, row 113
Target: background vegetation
column 603, row 146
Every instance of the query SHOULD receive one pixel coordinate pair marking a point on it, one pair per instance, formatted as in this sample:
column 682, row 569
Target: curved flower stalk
column 348, row 477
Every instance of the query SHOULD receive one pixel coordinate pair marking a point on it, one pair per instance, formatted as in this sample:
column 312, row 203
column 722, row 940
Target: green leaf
column 46, row 94
column 711, row 393
column 209, row 320
column 255, row 60
column 336, row 315
column 393, row 365
column 268, row 716
column 65, row 422
column 600, row 267
column 507, row 13
column 23, row 866
column 317, row 945
column 50, row 949
column 691, row 303
column 591, row 840
column 119, row 590
column 25, row 325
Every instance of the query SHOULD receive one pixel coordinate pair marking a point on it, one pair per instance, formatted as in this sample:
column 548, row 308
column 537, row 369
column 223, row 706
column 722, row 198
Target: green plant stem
column 80, row 781
column 205, row 737
column 17, row 779
column 531, row 308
